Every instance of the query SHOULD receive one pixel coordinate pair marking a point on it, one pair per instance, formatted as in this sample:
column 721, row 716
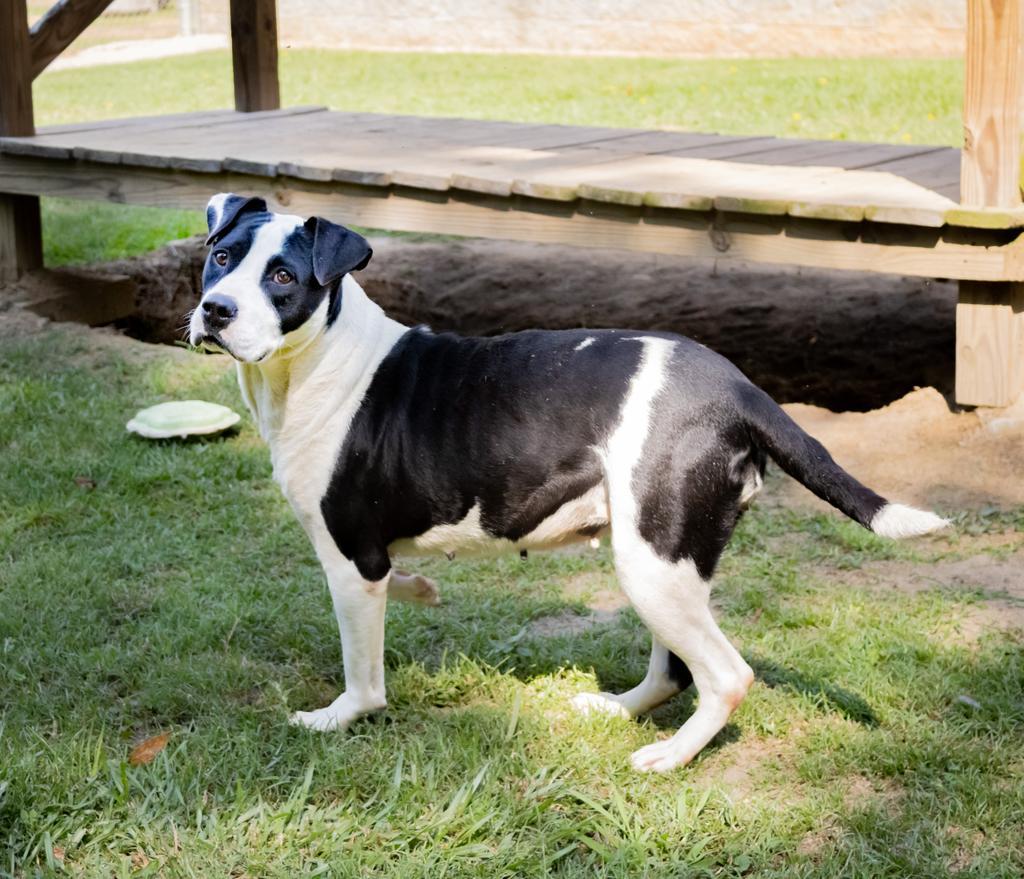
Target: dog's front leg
column 359, row 605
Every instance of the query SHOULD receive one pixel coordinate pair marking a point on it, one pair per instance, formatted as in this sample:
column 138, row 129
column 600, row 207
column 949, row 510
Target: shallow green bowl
column 182, row 418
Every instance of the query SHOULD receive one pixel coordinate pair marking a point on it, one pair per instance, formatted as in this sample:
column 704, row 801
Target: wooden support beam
column 990, row 316
column 990, row 160
column 21, row 246
column 21, row 237
column 59, row 27
column 254, row 55
column 990, row 343
column 15, row 73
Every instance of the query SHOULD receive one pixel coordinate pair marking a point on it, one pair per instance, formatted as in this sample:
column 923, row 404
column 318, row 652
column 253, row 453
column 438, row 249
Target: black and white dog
column 387, row 439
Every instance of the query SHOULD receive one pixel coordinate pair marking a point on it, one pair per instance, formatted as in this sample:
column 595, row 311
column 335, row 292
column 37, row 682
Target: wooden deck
column 665, row 169
column 870, row 207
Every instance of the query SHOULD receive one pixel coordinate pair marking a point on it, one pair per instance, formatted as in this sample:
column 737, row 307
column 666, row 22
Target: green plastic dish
column 182, row 418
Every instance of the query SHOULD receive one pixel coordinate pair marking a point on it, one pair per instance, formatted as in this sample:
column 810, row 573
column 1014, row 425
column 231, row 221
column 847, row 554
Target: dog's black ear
column 223, row 211
column 336, row 250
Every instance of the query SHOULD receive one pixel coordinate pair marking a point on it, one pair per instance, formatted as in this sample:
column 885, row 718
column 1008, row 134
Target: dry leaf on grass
column 145, row 752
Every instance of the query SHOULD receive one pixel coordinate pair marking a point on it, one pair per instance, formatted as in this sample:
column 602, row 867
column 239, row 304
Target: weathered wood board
column 665, row 169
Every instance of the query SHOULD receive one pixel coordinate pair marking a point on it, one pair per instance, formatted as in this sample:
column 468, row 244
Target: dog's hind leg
column 413, row 588
column 673, row 601
column 675, row 477
column 664, row 679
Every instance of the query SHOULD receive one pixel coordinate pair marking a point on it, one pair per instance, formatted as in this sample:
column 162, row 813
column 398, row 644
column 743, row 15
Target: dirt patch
column 845, row 340
column 859, row 793
column 918, row 451
column 597, row 589
column 968, row 843
column 998, row 579
column 569, row 623
column 998, row 582
column 816, row 842
column 739, row 768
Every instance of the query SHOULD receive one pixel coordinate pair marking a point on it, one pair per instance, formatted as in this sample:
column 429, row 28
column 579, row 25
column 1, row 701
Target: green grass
column 179, row 595
column 886, row 100
column 86, row 232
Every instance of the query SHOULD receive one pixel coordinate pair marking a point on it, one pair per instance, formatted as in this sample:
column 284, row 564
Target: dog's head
column 270, row 279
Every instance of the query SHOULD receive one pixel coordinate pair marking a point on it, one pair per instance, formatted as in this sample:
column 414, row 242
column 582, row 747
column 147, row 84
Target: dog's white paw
column 321, row 720
column 659, row 757
column 413, row 588
column 336, row 716
column 600, row 703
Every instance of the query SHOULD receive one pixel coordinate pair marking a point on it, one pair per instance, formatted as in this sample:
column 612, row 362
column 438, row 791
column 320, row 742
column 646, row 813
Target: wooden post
column 990, row 316
column 21, row 241
column 254, row 55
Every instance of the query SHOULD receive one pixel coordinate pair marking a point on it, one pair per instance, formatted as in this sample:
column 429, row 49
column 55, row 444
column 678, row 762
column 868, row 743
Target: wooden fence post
column 21, row 240
column 254, row 55
column 990, row 316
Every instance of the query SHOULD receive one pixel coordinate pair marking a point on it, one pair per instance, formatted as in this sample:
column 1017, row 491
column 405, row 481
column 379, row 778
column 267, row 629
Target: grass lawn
column 885, row 100
column 165, row 587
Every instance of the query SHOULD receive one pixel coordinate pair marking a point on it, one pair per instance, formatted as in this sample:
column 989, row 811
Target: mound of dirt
column 836, row 339
column 917, row 451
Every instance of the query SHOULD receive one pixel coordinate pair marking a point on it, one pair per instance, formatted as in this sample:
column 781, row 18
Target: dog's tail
column 809, row 463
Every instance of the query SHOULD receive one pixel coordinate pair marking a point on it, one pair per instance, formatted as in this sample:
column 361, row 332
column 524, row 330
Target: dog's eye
column 282, row 276
column 220, row 257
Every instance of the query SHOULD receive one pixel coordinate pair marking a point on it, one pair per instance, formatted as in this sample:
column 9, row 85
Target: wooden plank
column 21, row 242
column 936, row 168
column 59, row 27
column 654, row 142
column 989, row 343
column 722, row 149
column 827, row 193
column 254, row 55
column 193, row 119
column 990, row 169
column 836, row 154
column 922, row 253
column 114, row 139
column 986, row 218
column 990, row 317
column 158, row 144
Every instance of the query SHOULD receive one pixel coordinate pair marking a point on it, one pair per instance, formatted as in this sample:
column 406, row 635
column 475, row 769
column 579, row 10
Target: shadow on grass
column 850, row 705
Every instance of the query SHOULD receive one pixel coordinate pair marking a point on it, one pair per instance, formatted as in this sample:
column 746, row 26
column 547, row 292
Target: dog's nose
column 219, row 311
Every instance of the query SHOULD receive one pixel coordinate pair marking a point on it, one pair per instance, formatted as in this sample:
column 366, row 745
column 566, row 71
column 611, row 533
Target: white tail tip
column 898, row 521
